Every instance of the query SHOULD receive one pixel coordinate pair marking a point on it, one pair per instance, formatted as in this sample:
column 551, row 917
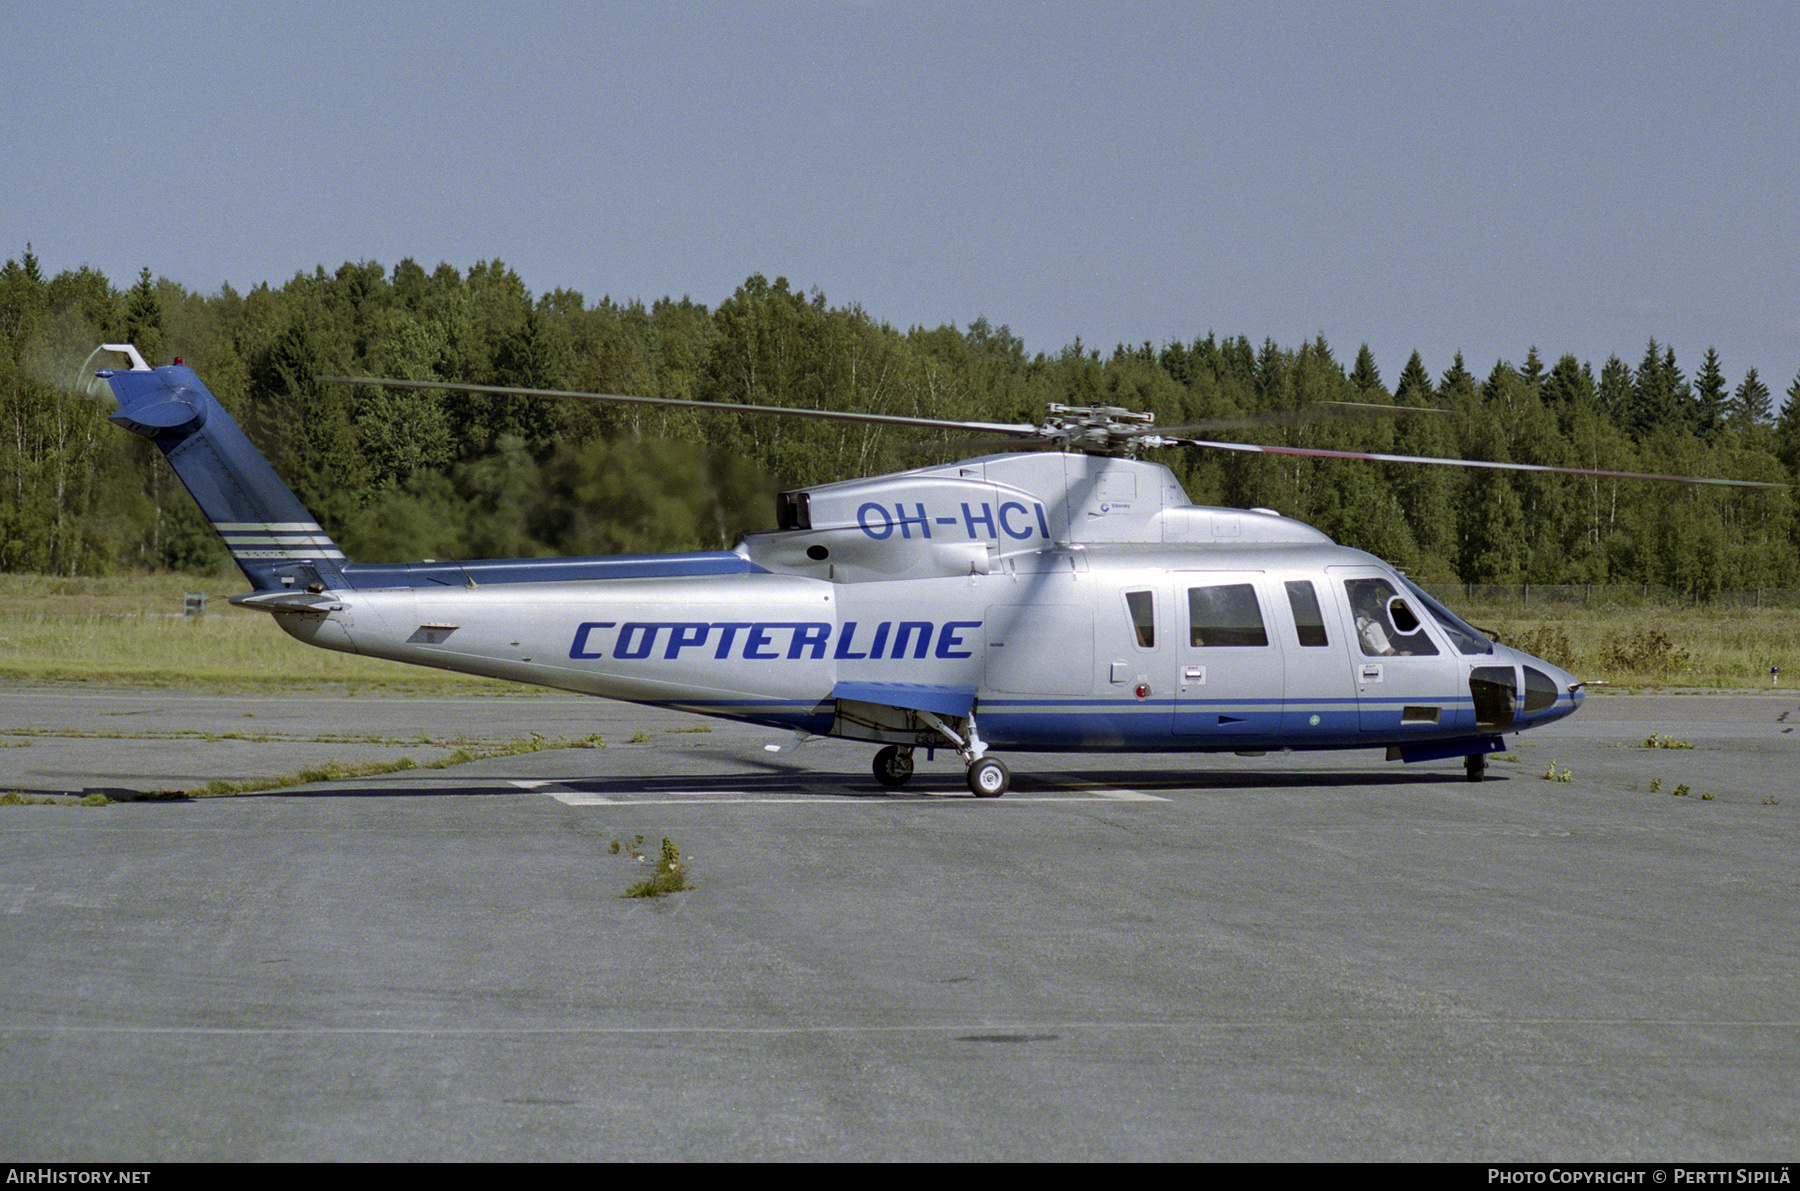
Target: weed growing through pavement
column 333, row 771
column 669, row 874
column 20, row 798
column 1656, row 740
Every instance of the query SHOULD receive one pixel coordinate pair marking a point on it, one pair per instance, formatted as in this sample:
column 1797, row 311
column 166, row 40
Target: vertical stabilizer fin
column 273, row 539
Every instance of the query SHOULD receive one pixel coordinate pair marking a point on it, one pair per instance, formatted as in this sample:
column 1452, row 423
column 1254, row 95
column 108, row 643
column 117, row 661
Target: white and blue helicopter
column 1068, row 599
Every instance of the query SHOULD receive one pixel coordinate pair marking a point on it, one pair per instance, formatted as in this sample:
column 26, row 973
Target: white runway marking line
column 575, row 798
column 1117, row 794
column 721, row 797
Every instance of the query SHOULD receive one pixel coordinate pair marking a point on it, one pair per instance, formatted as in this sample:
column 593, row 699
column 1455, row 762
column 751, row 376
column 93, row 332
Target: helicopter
column 1066, row 597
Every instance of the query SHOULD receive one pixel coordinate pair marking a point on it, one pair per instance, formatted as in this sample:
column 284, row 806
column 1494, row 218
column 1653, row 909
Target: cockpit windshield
column 1465, row 636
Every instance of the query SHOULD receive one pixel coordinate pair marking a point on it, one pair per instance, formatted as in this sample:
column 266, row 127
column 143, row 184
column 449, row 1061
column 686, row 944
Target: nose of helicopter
column 1550, row 692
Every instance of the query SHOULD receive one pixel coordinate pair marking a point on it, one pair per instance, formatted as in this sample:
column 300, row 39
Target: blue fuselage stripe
column 369, row 576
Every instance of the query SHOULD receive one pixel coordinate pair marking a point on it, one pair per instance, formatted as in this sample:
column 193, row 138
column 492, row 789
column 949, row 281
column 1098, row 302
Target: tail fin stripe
column 289, row 555
column 240, row 545
column 303, row 539
column 277, row 548
column 313, row 538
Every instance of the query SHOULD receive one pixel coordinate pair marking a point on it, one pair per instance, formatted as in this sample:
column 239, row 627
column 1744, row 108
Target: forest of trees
column 397, row 475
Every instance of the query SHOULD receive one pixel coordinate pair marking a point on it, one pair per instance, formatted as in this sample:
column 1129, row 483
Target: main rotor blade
column 1321, row 453
column 982, row 446
column 1317, row 411
column 1012, row 429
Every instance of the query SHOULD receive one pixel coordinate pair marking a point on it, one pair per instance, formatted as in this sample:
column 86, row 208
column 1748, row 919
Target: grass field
column 129, row 629
column 1635, row 648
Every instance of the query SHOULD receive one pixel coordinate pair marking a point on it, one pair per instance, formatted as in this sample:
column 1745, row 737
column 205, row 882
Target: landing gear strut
column 988, row 776
column 1475, row 765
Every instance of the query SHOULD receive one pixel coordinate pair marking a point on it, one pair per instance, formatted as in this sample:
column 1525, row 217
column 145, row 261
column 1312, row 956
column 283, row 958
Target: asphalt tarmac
column 1298, row 956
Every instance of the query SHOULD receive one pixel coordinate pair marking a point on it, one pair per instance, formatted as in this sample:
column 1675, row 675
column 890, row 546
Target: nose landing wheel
column 989, row 778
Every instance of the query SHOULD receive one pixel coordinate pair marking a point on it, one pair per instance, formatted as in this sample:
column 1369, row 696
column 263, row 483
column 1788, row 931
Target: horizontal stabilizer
column 288, row 601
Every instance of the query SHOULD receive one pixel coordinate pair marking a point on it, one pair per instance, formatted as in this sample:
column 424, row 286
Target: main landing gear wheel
column 1475, row 765
column 988, row 778
column 893, row 766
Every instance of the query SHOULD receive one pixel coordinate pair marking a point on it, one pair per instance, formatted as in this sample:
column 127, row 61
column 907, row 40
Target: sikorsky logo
column 772, row 640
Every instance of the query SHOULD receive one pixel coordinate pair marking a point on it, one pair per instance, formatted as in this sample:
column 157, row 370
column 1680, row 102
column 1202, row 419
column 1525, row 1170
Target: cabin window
column 1385, row 622
column 1308, row 623
column 1142, row 606
column 1225, row 615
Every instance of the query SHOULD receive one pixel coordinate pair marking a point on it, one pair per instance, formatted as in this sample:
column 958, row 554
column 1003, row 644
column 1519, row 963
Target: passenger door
column 1230, row 682
column 1140, row 661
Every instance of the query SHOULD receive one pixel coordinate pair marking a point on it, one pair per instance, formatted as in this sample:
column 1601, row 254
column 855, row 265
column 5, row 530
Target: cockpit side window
column 1142, row 606
column 1226, row 614
column 1385, row 623
column 1465, row 636
column 1309, row 624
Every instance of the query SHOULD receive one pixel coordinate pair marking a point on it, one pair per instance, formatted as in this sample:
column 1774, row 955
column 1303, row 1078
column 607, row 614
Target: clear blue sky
column 1430, row 176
